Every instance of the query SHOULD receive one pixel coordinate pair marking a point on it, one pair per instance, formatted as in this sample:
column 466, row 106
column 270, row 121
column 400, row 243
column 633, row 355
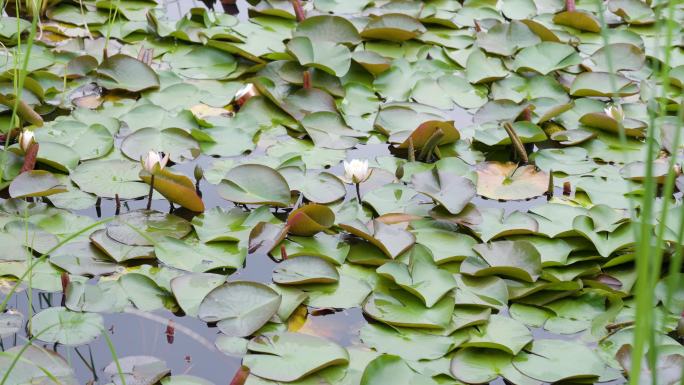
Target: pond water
column 503, row 254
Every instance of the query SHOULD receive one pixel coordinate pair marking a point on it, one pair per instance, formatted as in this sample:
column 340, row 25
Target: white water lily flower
column 26, row 139
column 153, row 159
column 356, row 171
column 615, row 111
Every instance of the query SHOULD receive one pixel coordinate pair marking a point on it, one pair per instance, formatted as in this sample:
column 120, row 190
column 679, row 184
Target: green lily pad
column 239, row 307
column 395, row 370
column 516, row 259
column 392, row 27
column 579, row 19
column 602, row 84
column 305, row 269
column 34, row 364
column 108, row 178
column 144, row 228
column 58, row 324
column 392, row 240
column 290, row 356
column 420, row 277
column 546, row 57
column 557, row 360
column 255, row 184
column 190, row 289
column 395, row 306
column 328, row 56
column 450, row 190
column 502, row 333
column 35, row 183
column 122, row 72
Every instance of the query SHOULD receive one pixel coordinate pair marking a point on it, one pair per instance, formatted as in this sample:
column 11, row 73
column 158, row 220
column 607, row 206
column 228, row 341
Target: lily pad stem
column 118, row 204
column 429, row 147
column 149, row 196
column 570, row 5
column 517, row 143
column 411, row 150
column 306, row 79
column 299, row 10
column 358, row 192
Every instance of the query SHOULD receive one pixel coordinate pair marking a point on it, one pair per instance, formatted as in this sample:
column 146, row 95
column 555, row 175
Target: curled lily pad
column 176, row 188
column 310, row 219
column 290, row 356
column 582, row 20
column 632, row 127
column 255, row 184
column 509, row 181
column 240, row 308
column 393, row 27
column 602, row 84
column 305, row 269
column 35, row 183
column 58, row 324
column 572, row 137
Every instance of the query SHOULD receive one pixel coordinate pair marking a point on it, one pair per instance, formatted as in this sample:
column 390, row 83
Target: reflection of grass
column 649, row 254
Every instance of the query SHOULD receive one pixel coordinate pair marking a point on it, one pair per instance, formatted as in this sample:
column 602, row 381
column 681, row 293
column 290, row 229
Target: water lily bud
column 26, row 139
column 154, row 159
column 198, row 172
column 615, row 111
column 356, row 171
column 245, row 93
column 399, row 172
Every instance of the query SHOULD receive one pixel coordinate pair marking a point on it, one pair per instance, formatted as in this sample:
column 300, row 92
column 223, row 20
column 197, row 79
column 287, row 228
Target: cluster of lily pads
column 458, row 283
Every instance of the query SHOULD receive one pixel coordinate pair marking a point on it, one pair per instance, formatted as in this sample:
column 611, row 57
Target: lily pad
column 290, row 356
column 58, row 324
column 122, row 72
column 509, row 181
column 255, row 184
column 240, row 308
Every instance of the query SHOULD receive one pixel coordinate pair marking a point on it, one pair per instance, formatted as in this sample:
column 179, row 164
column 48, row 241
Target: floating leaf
column 240, row 307
column 58, row 324
column 557, row 360
column 517, row 259
column 255, row 184
column 393, row 27
column 305, row 269
column 122, row 72
column 176, row 188
column 328, row 56
column 290, row 356
column 421, row 276
column 310, row 219
column 391, row 239
column 509, row 181
column 35, row 183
